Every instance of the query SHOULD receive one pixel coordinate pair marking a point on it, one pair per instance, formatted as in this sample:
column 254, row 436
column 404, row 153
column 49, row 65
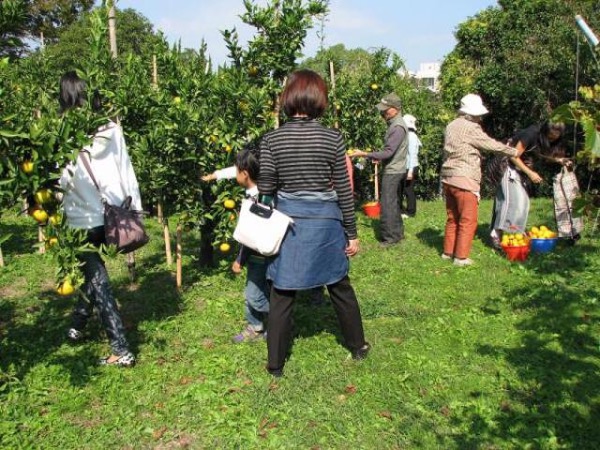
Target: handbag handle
column 88, row 168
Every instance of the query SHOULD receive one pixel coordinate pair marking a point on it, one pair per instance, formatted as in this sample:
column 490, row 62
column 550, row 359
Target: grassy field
column 500, row 355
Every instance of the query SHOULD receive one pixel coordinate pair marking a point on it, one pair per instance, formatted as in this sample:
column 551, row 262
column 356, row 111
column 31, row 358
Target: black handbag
column 123, row 227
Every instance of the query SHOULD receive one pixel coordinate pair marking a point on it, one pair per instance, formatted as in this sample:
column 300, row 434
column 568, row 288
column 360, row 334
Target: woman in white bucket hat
column 461, row 176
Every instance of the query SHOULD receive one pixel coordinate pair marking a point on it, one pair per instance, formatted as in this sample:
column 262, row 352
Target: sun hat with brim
column 410, row 121
column 389, row 101
column 472, row 105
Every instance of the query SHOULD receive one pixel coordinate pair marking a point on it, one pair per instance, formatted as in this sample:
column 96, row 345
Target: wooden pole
column 154, row 72
column 159, row 212
column 332, row 76
column 112, row 29
column 376, row 182
column 179, row 256
column 41, row 239
column 131, row 266
column 1, row 257
column 167, row 236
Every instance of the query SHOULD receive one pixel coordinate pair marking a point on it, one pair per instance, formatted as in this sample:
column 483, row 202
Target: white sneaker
column 446, row 257
column 405, row 216
column 463, row 262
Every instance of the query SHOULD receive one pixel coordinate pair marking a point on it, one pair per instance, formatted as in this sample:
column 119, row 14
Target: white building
column 429, row 75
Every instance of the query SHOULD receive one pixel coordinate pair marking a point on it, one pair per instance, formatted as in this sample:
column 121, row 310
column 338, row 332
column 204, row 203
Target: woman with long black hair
column 111, row 167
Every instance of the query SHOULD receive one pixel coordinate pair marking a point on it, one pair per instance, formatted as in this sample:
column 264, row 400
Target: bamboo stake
column 159, row 213
column 41, row 239
column 112, row 29
column 332, row 76
column 179, row 255
column 377, row 182
column 131, row 266
column 167, row 236
column 154, row 72
column 1, row 257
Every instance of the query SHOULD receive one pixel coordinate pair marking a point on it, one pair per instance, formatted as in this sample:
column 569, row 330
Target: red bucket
column 372, row 209
column 516, row 253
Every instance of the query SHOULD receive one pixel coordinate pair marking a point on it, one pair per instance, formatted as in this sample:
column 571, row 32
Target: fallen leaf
column 445, row 411
column 351, row 389
column 157, row 434
column 385, row 415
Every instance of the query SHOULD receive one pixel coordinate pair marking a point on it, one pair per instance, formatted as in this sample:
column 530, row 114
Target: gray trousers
column 97, row 292
column 392, row 225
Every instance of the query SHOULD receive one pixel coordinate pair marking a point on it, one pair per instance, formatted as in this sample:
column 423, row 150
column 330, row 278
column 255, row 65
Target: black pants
column 279, row 331
column 407, row 188
column 97, row 292
column 392, row 225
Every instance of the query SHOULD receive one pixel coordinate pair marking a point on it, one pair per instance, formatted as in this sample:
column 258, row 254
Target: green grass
column 494, row 356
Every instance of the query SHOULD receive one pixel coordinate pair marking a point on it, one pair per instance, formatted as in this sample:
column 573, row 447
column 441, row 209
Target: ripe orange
column 224, row 247
column 43, row 196
column 38, row 213
column 229, row 204
column 66, row 288
column 374, row 87
column 27, row 167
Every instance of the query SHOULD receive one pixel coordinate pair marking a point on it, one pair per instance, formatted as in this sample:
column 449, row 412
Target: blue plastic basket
column 543, row 245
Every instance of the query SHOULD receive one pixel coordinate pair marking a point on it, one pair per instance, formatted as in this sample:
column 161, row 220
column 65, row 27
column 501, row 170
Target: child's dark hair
column 73, row 93
column 247, row 159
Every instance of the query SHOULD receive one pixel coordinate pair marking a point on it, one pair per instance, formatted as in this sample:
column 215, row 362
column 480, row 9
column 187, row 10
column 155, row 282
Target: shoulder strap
column 86, row 163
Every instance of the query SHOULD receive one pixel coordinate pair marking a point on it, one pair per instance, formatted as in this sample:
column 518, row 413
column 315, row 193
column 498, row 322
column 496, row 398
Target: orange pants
column 461, row 225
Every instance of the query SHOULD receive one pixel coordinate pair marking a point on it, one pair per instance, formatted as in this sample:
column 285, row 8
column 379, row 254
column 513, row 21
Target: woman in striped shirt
column 303, row 166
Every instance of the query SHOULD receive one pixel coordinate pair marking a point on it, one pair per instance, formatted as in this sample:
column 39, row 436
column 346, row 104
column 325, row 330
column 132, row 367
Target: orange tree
column 196, row 119
column 37, row 143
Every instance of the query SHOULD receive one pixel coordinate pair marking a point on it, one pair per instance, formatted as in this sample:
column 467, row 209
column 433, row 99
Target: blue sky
column 418, row 30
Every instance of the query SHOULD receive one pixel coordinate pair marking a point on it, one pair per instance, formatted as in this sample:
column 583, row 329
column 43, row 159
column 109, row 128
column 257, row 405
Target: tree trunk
column 206, row 246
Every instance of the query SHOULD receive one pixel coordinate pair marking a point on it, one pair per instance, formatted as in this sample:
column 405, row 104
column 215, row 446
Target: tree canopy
column 521, row 58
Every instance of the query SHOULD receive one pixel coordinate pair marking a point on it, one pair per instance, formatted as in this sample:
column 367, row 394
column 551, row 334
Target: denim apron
column 313, row 252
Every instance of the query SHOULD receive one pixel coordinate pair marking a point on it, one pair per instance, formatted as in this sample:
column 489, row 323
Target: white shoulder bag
column 261, row 228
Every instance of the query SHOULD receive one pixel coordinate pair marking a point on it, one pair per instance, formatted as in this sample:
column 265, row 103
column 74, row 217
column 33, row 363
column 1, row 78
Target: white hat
column 472, row 105
column 410, row 121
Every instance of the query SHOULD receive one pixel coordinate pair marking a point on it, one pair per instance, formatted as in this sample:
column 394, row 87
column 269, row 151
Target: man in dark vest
column 393, row 159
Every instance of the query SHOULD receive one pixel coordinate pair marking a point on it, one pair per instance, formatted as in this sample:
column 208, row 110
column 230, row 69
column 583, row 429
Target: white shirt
column 114, row 173
column 414, row 143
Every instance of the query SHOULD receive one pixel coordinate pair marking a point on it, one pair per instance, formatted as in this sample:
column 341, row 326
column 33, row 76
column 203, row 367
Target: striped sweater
column 303, row 155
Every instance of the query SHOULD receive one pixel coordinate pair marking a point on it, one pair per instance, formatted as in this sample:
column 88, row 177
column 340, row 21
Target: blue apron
column 313, row 252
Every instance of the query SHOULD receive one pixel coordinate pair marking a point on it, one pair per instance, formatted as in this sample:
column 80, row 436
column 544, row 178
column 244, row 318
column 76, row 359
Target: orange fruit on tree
column 38, row 213
column 27, row 167
column 43, row 196
column 224, row 247
column 374, row 87
column 66, row 287
column 229, row 204
column 55, row 219
column 51, row 242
